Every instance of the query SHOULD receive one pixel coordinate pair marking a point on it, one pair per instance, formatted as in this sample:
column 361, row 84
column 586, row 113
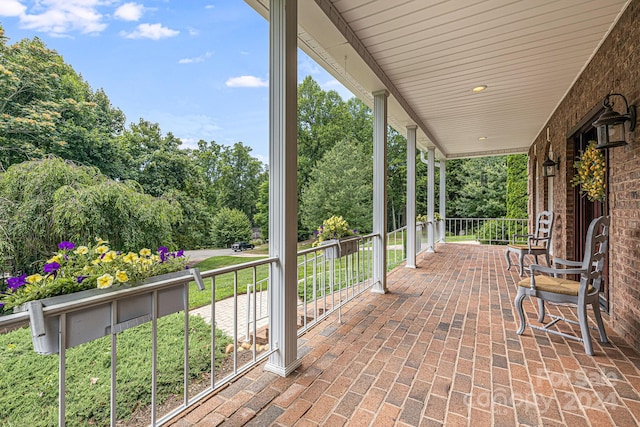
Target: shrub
column 230, row 225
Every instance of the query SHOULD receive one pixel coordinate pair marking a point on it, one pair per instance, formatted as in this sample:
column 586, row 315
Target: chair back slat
column 596, row 245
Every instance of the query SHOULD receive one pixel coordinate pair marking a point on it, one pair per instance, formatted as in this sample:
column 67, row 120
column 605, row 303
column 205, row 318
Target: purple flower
column 163, row 250
column 51, row 267
column 64, row 245
column 180, row 253
column 79, row 279
column 14, row 283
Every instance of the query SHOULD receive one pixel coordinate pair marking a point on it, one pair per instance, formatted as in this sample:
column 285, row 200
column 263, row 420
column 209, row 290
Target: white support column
column 443, row 197
column 431, row 176
column 380, row 191
column 411, row 197
column 283, row 219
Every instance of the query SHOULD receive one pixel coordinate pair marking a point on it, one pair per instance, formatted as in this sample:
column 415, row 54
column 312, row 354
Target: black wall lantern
column 610, row 124
column 549, row 167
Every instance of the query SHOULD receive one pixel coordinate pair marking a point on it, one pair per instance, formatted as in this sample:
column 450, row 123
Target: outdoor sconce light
column 549, row 167
column 610, row 124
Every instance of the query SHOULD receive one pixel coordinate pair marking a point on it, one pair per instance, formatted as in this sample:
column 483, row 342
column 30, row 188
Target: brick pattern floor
column 439, row 349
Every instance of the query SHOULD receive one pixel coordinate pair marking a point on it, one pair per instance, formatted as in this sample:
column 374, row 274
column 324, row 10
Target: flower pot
column 87, row 315
column 346, row 246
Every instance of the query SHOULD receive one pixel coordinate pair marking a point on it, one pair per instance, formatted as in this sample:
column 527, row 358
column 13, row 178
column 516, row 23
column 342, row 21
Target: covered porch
column 439, row 348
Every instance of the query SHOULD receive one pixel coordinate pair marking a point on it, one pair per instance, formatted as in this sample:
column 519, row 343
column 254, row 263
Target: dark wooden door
column 586, row 210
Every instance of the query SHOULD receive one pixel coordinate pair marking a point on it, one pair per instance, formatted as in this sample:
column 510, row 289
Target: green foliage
column 261, row 217
column 46, row 108
column 341, row 185
column 499, row 232
column 230, row 225
column 117, row 211
column 477, row 187
column 29, row 381
column 50, row 200
column 517, row 196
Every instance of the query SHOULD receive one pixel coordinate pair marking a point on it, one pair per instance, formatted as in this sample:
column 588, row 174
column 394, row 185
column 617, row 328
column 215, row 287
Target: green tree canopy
column 230, row 225
column 517, row 194
column 341, row 184
column 50, row 200
column 46, row 108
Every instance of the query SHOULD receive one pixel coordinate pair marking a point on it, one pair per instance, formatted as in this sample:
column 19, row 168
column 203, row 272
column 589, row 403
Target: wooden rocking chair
column 558, row 290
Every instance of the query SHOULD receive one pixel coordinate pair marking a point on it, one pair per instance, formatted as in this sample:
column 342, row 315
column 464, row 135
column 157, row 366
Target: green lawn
column 29, row 381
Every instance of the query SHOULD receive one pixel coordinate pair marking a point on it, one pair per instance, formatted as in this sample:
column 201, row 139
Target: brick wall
column 615, row 67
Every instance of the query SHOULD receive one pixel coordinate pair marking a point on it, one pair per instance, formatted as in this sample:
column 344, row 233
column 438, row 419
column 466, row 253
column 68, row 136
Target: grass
column 29, row 381
column 225, row 282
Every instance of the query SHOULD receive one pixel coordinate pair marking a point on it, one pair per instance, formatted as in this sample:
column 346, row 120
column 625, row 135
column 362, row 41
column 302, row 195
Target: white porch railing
column 484, row 230
column 324, row 285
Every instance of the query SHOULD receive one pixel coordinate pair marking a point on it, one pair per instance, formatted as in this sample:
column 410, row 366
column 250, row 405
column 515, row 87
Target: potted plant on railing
column 336, row 230
column 100, row 291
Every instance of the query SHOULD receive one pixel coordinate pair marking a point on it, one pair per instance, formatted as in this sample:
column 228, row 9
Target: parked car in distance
column 241, row 246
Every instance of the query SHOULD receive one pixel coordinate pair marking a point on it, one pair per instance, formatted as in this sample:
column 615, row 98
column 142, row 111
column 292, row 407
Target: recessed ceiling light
column 482, row 138
column 479, row 88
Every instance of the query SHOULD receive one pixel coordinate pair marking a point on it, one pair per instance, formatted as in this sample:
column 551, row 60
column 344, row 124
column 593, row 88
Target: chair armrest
column 554, row 271
column 526, row 236
column 567, row 262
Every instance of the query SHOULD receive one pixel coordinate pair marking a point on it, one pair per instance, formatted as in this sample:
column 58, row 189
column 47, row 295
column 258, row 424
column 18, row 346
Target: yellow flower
column 155, row 258
column 105, row 281
column 121, row 276
column 96, row 261
column 102, row 249
column 100, row 242
column 82, row 250
column 109, row 256
column 145, row 252
column 130, row 257
column 56, row 258
column 34, row 278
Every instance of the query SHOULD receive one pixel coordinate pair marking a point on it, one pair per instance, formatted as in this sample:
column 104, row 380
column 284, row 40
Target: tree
column 230, row 225
column 50, row 200
column 341, row 184
column 479, row 186
column 46, row 108
column 261, row 217
column 517, row 195
column 323, row 120
column 239, row 180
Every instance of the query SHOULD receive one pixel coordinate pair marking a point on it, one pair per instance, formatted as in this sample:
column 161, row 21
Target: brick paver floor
column 439, row 349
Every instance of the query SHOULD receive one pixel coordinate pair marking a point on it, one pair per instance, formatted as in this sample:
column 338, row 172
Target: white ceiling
column 429, row 54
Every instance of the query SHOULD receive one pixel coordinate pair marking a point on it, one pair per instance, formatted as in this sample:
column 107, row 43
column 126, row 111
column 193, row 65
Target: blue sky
column 198, row 68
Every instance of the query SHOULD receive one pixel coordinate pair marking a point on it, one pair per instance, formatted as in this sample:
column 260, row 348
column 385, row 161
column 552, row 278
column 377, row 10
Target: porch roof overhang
column 430, row 54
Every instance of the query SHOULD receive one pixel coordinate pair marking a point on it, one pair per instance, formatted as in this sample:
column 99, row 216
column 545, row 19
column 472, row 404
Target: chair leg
column 521, row 259
column 584, row 328
column 548, row 261
column 541, row 310
column 508, row 259
column 518, row 303
column 596, row 312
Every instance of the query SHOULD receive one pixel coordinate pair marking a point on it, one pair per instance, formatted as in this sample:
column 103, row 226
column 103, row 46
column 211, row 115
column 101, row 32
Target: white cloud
column 247, row 81
column 193, row 32
column 11, row 8
column 150, row 31
column 57, row 17
column 196, row 59
column 129, row 12
column 209, row 6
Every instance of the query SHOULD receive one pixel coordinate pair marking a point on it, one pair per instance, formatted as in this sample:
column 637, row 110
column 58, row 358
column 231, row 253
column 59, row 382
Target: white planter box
column 94, row 313
column 346, row 246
